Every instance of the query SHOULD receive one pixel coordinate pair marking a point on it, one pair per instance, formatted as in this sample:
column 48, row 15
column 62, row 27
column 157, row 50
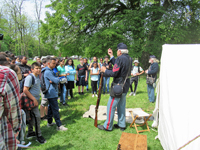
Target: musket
column 98, row 101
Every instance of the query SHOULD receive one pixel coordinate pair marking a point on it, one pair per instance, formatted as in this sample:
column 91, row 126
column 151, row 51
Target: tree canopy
column 90, row 27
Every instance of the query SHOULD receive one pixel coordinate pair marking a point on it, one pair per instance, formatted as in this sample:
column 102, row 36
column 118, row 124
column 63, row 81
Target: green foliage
column 90, row 27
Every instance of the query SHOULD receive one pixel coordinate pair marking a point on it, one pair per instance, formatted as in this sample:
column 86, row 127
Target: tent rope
column 189, row 142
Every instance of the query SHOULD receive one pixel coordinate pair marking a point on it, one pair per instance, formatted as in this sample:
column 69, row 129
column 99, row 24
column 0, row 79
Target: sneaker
column 65, row 104
column 92, row 95
column 50, row 125
column 79, row 93
column 87, row 90
column 62, row 128
column 96, row 95
column 41, row 140
column 82, row 93
column 131, row 94
column 44, row 118
column 30, row 135
column 134, row 94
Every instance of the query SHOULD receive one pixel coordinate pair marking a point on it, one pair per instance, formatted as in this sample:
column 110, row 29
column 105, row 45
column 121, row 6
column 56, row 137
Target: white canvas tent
column 179, row 97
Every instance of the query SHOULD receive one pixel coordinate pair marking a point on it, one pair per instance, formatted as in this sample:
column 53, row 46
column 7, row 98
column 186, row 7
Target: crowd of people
column 53, row 80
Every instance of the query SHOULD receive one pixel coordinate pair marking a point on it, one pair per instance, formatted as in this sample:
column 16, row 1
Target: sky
column 29, row 8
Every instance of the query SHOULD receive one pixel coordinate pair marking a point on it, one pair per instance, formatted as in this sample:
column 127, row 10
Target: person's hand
column 137, row 74
column 26, row 74
column 35, row 102
column 146, row 71
column 67, row 74
column 103, row 69
column 131, row 74
column 107, row 67
column 110, row 52
column 77, row 79
column 16, row 135
column 85, row 79
column 50, row 81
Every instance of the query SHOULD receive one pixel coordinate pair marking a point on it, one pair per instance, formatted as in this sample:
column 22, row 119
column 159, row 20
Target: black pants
column 94, row 86
column 135, row 80
column 70, row 92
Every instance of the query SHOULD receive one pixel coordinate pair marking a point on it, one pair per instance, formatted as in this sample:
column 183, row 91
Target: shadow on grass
column 58, row 147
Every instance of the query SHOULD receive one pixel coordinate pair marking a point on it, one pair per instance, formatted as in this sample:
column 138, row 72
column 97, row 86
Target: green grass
column 82, row 135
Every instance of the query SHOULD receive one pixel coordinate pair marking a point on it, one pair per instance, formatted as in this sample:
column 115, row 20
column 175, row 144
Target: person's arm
column 154, row 69
column 90, row 66
column 72, row 72
column 26, row 91
column 86, row 74
column 112, row 58
column 91, row 73
column 76, row 75
column 10, row 102
column 114, row 72
column 27, row 85
column 51, row 77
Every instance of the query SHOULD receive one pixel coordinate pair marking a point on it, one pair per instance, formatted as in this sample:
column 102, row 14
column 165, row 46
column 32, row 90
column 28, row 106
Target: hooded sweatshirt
column 49, row 75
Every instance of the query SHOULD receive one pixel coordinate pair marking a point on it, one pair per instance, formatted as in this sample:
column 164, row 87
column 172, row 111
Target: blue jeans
column 106, row 81
column 63, row 93
column 120, row 103
column 53, row 111
column 150, row 90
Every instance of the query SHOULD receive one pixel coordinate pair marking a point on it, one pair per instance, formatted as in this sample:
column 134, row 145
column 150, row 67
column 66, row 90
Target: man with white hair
column 120, row 72
column 152, row 72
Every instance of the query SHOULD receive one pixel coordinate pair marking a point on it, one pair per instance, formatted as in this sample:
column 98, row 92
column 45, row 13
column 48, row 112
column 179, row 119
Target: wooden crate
column 130, row 141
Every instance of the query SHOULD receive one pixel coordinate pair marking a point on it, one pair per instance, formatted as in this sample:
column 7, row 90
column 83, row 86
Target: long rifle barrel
column 98, row 100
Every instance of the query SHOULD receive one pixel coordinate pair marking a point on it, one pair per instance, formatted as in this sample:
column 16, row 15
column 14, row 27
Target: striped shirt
column 10, row 114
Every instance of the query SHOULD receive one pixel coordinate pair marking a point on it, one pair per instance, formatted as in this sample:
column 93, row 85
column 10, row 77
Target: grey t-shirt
column 35, row 89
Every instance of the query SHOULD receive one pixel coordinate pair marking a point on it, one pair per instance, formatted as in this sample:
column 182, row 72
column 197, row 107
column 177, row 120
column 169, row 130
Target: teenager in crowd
column 33, row 92
column 88, row 65
column 44, row 101
column 106, row 80
column 95, row 59
column 94, row 71
column 25, row 69
column 62, row 73
column 70, row 69
column 135, row 73
column 52, row 82
column 38, row 60
column 81, row 74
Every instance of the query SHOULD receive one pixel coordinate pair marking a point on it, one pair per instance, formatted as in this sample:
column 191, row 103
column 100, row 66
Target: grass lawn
column 82, row 135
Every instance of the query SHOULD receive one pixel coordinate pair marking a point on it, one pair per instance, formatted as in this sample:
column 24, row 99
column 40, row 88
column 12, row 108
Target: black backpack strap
column 33, row 80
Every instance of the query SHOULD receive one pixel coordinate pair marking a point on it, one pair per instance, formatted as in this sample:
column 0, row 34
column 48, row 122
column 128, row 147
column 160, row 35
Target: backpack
column 44, row 89
column 22, row 83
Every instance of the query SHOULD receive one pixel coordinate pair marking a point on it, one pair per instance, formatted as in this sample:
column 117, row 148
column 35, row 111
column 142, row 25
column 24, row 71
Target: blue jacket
column 153, row 69
column 72, row 71
column 53, row 89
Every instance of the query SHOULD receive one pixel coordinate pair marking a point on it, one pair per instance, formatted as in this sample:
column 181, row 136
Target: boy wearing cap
column 135, row 73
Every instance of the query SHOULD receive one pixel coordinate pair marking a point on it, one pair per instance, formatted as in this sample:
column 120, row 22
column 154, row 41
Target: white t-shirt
column 135, row 70
column 94, row 77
